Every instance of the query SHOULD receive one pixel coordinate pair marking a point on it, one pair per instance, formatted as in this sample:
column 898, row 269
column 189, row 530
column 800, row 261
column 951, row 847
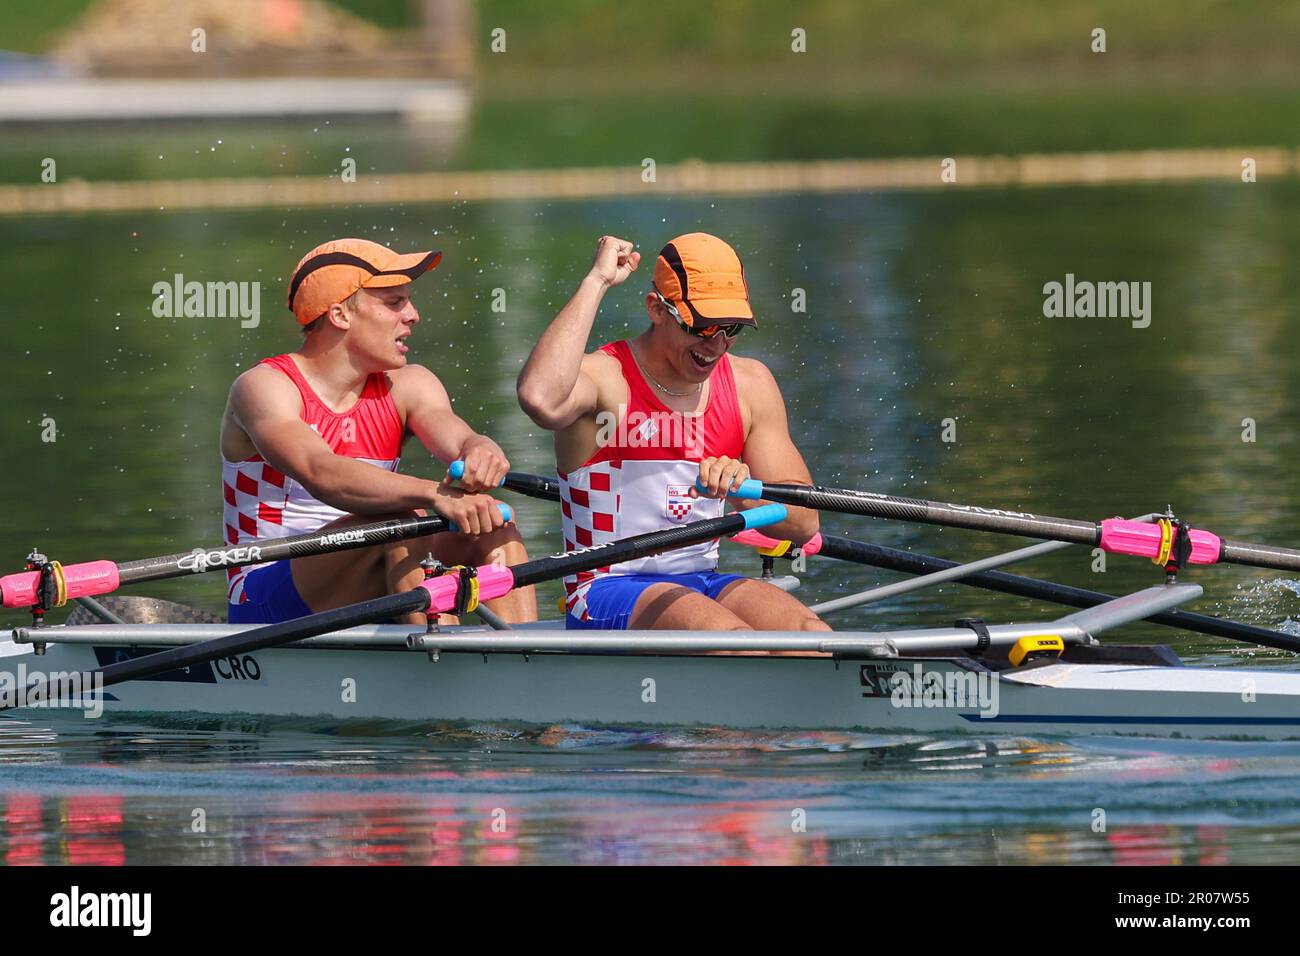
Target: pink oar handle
column 1121, row 536
column 88, row 578
column 756, row 539
column 493, row 582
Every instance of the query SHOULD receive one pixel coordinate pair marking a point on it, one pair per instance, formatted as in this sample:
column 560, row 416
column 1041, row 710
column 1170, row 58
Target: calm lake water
column 920, row 308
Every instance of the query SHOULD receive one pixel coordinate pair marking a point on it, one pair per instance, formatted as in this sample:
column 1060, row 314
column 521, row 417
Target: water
column 495, row 795
column 920, row 308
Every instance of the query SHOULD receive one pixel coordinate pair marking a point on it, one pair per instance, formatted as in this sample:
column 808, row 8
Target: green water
column 921, row 308
column 573, row 129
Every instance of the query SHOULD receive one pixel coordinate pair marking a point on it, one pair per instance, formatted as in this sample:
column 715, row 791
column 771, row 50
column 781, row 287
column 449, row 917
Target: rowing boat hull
column 740, row 691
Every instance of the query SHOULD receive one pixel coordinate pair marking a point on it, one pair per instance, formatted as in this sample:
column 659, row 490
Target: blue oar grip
column 507, row 514
column 750, row 488
column 763, row 515
column 457, row 471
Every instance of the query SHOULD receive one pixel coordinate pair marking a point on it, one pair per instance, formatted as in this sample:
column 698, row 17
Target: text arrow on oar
column 103, row 577
column 1168, row 542
column 458, row 590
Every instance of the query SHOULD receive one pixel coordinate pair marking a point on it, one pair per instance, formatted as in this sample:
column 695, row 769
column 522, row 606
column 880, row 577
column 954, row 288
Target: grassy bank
column 746, row 44
column 589, row 82
column 599, row 44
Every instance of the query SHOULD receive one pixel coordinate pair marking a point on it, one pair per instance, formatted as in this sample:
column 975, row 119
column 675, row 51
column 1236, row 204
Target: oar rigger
column 466, row 599
column 51, row 589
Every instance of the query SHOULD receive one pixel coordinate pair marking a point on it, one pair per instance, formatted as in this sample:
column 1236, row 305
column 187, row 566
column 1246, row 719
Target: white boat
column 933, row 681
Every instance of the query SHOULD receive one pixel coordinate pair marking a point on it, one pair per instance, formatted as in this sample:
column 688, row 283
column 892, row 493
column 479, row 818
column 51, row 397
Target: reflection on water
column 501, row 795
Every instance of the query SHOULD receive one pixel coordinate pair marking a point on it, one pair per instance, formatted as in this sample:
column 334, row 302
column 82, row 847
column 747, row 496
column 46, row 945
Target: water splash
column 1273, row 603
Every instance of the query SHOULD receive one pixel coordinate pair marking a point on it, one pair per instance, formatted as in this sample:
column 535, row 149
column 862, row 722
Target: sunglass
column 731, row 330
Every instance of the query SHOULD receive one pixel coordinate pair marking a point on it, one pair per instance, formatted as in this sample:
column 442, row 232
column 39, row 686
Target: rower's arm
column 554, row 390
column 266, row 405
column 426, row 406
column 769, row 451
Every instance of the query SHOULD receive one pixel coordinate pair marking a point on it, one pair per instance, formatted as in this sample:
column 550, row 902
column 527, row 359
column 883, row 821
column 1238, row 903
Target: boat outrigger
column 1050, row 676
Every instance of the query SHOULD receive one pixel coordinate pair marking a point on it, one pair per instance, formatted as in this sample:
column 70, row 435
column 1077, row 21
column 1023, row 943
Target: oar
column 548, row 489
column 460, row 591
column 848, row 549
column 878, row 556
column 103, row 577
column 1166, row 542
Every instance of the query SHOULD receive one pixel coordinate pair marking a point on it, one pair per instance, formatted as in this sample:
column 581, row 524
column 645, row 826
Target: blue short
column 271, row 597
column 612, row 597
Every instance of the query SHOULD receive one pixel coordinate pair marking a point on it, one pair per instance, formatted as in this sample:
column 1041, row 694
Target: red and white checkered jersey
column 260, row 502
column 638, row 480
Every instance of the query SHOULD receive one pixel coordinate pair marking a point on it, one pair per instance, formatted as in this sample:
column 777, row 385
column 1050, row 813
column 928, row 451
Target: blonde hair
column 349, row 305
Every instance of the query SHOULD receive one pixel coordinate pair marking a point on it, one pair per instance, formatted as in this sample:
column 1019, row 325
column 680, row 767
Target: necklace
column 650, row 379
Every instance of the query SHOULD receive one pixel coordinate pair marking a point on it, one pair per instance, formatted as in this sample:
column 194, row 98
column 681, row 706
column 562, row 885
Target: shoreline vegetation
column 584, row 84
column 993, row 42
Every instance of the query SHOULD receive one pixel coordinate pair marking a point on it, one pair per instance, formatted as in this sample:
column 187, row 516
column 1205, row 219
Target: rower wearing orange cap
column 312, row 439
column 638, row 422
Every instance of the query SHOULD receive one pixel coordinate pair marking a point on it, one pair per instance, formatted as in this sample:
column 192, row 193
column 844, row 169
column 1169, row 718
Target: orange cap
column 704, row 280
column 334, row 270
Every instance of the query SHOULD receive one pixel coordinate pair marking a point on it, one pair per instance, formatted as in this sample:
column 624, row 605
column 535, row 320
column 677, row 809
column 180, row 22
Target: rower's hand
column 615, row 260
column 719, row 476
column 485, row 465
column 472, row 514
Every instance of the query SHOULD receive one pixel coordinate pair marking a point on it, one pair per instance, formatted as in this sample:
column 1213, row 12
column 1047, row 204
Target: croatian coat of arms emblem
column 679, row 504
